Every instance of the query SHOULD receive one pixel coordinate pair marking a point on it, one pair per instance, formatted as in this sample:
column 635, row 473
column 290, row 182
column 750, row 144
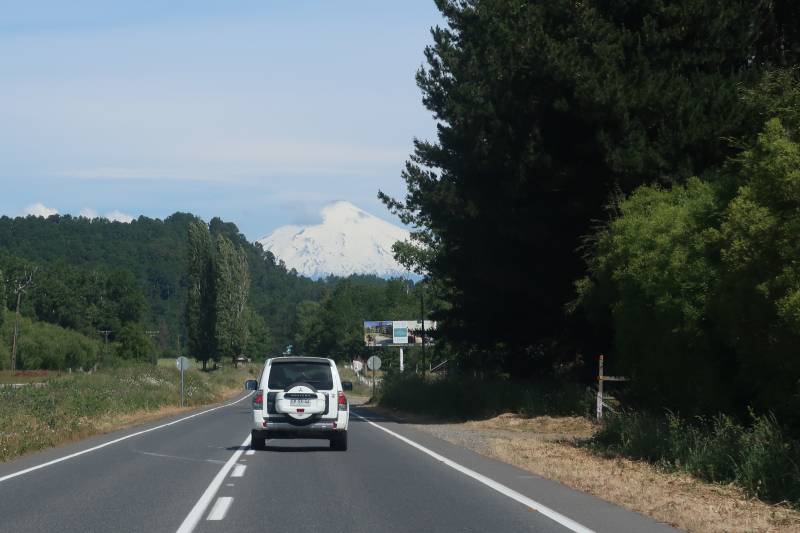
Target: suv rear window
column 281, row 375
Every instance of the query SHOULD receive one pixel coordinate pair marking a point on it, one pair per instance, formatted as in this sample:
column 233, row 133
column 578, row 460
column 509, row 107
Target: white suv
column 300, row 398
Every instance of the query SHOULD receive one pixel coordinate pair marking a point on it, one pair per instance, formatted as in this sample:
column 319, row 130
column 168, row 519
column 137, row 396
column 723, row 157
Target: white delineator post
column 401, row 360
column 600, row 390
column 181, row 385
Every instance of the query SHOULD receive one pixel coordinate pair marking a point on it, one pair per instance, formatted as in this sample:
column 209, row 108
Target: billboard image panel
column 378, row 332
column 397, row 332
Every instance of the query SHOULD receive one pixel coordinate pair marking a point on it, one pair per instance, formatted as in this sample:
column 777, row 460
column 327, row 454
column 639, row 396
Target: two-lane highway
column 195, row 473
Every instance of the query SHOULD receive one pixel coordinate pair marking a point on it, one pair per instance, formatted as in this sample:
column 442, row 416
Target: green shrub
column 43, row 346
column 769, row 463
column 635, row 435
column 464, row 397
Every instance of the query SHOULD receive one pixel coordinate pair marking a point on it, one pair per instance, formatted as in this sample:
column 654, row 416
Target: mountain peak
column 343, row 211
column 348, row 241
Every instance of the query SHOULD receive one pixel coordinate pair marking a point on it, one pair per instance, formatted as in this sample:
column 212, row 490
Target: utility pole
column 105, row 333
column 21, row 286
column 153, row 333
column 422, row 310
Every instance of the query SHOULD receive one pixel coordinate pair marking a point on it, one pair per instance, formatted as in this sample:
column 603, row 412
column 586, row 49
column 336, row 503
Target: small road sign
column 374, row 363
column 183, row 364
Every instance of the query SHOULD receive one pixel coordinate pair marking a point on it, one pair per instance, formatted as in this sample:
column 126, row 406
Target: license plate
column 300, row 403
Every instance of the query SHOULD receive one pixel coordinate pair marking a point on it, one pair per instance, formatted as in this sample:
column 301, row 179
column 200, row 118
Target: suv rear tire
column 339, row 442
column 257, row 441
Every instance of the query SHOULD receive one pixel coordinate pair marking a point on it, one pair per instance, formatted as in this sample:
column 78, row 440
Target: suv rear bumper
column 276, row 428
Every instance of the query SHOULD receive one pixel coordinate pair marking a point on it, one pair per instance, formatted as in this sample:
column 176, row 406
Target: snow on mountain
column 349, row 241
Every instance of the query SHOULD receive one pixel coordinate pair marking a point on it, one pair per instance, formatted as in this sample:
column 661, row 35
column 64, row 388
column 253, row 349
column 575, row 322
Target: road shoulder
column 585, row 509
column 546, row 447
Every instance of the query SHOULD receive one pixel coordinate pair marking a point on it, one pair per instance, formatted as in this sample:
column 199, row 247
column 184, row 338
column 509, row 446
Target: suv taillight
column 342, row 401
column 258, row 400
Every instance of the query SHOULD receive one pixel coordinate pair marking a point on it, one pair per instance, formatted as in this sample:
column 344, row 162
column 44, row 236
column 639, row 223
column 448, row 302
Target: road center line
column 194, row 516
column 220, row 508
column 109, row 443
column 499, row 487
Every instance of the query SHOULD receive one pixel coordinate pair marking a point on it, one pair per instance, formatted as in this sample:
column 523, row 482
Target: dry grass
column 67, row 411
column 547, row 446
column 27, row 376
column 123, row 421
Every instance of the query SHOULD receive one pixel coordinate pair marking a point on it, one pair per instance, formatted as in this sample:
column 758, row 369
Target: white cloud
column 40, row 210
column 242, row 161
column 118, row 216
column 114, row 216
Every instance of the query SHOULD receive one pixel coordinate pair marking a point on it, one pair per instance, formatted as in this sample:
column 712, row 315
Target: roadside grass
column 359, row 389
column 757, row 457
column 27, row 376
column 78, row 405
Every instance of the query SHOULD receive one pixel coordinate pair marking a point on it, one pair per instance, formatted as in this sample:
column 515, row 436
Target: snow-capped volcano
column 349, row 241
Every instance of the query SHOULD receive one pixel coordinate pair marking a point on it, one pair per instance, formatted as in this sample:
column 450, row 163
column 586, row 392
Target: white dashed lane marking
column 220, row 508
column 250, row 452
column 196, row 514
column 238, row 470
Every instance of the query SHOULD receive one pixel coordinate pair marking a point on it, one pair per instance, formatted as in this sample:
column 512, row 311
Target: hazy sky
column 256, row 111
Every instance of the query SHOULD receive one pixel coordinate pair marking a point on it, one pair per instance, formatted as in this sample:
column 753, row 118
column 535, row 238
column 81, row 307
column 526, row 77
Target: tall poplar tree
column 232, row 287
column 200, row 308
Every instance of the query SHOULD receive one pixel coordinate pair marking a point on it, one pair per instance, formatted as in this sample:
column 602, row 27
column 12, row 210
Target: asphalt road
column 196, row 474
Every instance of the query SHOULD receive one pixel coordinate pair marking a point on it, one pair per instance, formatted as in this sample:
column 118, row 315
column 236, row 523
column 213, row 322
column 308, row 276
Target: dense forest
column 618, row 178
column 133, row 281
column 153, row 254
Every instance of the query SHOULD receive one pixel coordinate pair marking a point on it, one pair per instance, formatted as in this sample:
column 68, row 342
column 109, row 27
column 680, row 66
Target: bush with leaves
column 701, row 286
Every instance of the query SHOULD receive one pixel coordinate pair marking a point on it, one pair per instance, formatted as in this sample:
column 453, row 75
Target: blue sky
column 259, row 112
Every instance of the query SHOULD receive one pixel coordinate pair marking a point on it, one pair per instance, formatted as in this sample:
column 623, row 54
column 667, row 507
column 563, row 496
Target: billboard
column 397, row 332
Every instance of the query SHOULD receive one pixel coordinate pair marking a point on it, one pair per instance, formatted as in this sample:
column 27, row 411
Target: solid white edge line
column 220, row 508
column 499, row 487
column 238, row 470
column 109, row 443
column 194, row 516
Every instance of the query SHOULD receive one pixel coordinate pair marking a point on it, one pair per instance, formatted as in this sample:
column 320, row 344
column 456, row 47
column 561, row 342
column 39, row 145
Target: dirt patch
column 548, row 446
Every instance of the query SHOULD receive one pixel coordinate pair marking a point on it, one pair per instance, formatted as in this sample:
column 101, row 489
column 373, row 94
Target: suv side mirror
column 251, row 384
column 347, row 385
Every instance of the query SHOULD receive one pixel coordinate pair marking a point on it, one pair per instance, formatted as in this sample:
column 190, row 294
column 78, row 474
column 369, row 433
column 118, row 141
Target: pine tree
column 545, row 108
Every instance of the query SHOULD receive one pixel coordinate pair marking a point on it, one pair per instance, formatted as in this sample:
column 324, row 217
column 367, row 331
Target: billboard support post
column 401, row 360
